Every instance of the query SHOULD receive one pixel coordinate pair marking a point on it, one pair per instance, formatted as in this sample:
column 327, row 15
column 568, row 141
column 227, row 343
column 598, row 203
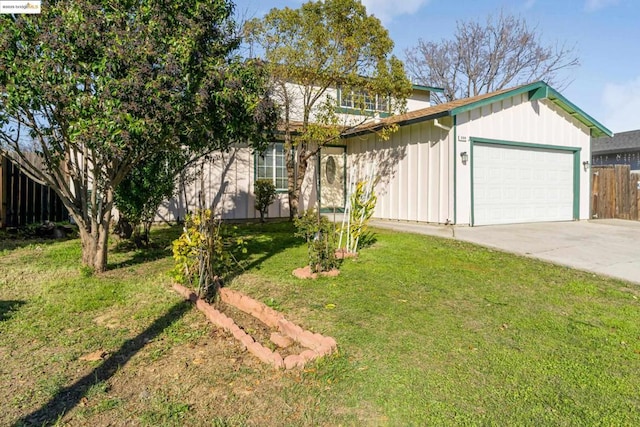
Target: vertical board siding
column 411, row 166
column 227, row 180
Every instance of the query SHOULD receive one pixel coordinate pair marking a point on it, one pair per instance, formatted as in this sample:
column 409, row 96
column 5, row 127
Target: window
column 271, row 165
column 364, row 101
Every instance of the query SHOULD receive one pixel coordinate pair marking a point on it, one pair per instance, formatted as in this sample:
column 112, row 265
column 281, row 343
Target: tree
column 479, row 59
column 265, row 192
column 97, row 87
column 139, row 196
column 323, row 45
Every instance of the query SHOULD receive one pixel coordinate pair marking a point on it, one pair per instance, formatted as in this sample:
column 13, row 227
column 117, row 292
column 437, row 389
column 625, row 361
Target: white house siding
column 519, row 120
column 414, row 172
column 417, row 100
column 228, row 180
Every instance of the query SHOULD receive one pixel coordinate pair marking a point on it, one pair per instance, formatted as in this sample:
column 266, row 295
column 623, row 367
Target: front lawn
column 430, row 332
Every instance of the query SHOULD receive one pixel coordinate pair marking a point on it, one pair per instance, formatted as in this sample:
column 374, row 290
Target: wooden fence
column 25, row 201
column 615, row 192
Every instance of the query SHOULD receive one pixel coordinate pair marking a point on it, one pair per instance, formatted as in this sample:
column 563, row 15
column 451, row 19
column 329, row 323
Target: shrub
column 320, row 235
column 265, row 193
column 203, row 255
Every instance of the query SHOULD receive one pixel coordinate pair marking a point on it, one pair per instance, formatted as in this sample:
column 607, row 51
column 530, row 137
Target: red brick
column 262, row 353
column 323, row 350
column 293, row 361
column 278, row 361
column 246, row 340
column 306, row 339
column 280, row 340
column 270, row 317
column 239, row 333
column 228, row 323
column 289, row 329
column 308, row 355
column 330, row 342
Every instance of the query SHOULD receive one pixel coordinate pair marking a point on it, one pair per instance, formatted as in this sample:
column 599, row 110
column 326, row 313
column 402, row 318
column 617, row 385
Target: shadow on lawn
column 158, row 247
column 266, row 240
column 69, row 397
column 8, row 307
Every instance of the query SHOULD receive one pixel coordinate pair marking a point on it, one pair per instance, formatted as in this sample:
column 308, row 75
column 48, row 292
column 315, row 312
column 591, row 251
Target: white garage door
column 521, row 184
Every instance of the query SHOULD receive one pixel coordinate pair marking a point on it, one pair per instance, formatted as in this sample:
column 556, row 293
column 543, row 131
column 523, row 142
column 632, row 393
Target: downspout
column 437, row 124
column 455, row 171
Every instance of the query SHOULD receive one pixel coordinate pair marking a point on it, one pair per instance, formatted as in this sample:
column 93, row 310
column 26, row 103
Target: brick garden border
column 316, row 345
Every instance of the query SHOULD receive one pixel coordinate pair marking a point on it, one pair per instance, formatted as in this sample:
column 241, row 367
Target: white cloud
column 621, row 103
column 529, row 4
column 593, row 5
column 386, row 10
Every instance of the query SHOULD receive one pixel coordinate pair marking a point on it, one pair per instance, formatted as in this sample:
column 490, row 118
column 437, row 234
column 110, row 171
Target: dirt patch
column 305, row 273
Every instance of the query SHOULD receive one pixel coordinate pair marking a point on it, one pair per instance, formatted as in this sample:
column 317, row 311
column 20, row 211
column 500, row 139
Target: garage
column 519, row 183
column 518, row 155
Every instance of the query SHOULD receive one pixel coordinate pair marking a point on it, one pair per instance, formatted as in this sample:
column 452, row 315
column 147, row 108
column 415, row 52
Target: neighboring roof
column 428, row 88
column 537, row 90
column 621, row 142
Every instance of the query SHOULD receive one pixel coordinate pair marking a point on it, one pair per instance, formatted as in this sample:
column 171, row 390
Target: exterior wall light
column 464, row 156
column 585, row 165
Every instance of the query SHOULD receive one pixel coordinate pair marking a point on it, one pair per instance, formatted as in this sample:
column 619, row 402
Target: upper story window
column 271, row 165
column 364, row 101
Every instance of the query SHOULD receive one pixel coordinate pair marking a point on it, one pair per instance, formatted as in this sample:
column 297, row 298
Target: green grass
column 430, row 332
column 443, row 332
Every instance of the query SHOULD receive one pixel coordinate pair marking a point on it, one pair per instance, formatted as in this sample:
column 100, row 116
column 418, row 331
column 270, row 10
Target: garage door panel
column 521, row 184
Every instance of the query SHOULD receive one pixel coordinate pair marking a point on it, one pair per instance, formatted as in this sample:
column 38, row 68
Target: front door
column 332, row 179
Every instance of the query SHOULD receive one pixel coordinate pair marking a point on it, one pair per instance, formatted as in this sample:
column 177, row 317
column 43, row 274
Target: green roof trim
column 428, row 88
column 541, row 90
column 597, row 129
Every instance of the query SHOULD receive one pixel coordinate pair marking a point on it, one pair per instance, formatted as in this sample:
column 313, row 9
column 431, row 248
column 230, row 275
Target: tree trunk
column 94, row 233
column 95, row 244
column 291, row 173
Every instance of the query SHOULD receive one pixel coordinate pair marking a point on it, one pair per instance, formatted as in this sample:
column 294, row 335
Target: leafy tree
column 323, row 45
column 138, row 197
column 483, row 58
column 97, row 87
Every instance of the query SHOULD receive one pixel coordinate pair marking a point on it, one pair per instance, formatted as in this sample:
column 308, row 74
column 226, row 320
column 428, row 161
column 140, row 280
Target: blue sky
column 606, row 34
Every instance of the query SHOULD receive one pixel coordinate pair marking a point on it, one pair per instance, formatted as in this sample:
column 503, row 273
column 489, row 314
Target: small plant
column 265, row 193
column 320, row 234
column 203, row 256
column 362, row 205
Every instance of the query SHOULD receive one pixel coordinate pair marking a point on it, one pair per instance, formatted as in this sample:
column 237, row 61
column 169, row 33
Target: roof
column 620, row 143
column 537, row 90
column 427, row 88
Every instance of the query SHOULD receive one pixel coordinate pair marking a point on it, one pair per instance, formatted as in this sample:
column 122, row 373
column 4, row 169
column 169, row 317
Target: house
column 511, row 156
column 622, row 149
column 225, row 181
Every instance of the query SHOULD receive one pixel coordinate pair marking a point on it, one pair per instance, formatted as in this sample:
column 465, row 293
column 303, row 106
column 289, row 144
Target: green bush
column 265, row 193
column 320, row 235
column 203, row 255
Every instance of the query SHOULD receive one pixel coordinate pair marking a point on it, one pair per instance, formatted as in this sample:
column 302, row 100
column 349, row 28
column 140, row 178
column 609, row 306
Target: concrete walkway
column 608, row 247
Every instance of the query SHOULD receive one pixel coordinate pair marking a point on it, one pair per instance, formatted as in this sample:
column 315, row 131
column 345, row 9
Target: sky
column 605, row 33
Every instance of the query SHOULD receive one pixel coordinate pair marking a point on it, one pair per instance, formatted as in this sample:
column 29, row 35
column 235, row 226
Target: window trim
column 256, row 166
column 346, row 109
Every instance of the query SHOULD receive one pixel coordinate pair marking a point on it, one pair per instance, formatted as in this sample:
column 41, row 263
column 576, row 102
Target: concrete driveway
column 608, row 247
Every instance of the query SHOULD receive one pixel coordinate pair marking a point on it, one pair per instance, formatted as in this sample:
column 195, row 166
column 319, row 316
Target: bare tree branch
column 482, row 58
